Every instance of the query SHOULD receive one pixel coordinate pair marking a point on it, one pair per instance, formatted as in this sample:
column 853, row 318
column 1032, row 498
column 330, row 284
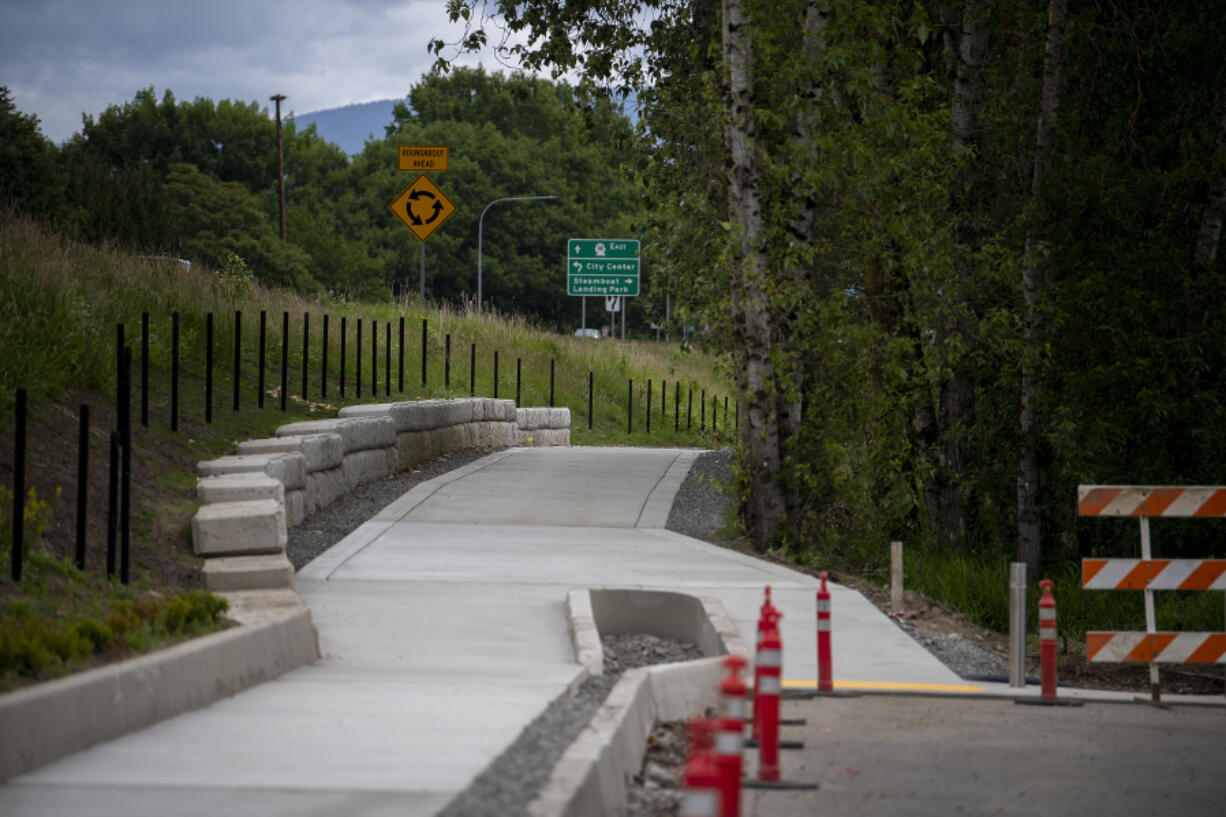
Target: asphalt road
column 875, row 756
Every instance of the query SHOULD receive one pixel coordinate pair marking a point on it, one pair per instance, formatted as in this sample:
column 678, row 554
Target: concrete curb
column 45, row 722
column 591, row 776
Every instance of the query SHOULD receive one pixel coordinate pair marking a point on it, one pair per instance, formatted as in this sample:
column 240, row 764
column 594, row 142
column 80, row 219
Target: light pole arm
column 481, row 233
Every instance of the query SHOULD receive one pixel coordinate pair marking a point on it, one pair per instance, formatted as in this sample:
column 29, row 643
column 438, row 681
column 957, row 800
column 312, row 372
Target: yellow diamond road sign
column 422, row 207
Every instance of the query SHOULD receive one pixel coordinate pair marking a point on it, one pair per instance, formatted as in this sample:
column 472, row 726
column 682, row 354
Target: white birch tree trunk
column 763, row 506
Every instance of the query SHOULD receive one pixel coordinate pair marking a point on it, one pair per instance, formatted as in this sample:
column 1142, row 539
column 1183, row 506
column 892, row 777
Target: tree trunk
column 966, row 32
column 797, row 271
column 751, row 317
column 1029, row 542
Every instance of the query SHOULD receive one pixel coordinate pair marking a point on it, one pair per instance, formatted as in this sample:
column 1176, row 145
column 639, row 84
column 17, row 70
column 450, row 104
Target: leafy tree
column 27, row 160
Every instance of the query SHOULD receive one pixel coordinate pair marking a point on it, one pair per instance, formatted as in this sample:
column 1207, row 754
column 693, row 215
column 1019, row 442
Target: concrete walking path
column 443, row 631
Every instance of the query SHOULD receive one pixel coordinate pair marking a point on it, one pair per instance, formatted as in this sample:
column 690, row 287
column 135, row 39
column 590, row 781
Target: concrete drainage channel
column 249, row 500
column 592, row 777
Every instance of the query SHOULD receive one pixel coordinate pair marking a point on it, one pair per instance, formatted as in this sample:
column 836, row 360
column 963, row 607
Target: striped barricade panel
column 1153, row 574
column 1151, row 500
column 1156, row 648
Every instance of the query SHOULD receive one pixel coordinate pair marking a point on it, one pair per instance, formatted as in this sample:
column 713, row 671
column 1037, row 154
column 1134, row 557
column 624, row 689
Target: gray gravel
column 514, row 778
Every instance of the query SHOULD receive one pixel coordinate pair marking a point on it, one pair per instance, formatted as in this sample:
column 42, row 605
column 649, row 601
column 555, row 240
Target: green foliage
column 36, row 646
column 28, row 178
column 36, row 517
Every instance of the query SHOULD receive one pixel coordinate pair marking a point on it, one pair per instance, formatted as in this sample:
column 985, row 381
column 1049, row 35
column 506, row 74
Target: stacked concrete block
column 322, row 456
column 239, row 528
column 542, row 426
column 426, row 429
column 251, row 498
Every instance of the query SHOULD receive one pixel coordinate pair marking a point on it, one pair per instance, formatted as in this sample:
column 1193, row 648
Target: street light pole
column 481, row 231
column 280, row 162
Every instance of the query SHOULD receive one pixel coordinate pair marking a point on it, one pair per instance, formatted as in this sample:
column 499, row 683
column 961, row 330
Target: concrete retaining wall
column 45, row 722
column 249, row 499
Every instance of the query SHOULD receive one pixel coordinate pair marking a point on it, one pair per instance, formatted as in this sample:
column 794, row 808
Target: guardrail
column 1148, row 574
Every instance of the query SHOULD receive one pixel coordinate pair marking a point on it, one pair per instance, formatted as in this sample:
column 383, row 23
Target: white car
column 587, row 333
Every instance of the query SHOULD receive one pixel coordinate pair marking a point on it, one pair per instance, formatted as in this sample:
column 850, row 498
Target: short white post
column 896, row 580
column 1017, row 624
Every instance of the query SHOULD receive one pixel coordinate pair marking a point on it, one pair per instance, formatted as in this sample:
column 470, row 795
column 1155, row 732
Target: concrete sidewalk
column 443, row 631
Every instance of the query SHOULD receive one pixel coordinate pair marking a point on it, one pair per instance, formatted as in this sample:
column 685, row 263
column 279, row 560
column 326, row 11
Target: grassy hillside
column 62, row 302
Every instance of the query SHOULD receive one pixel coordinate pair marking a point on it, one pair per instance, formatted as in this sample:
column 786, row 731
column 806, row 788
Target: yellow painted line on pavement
column 886, row 685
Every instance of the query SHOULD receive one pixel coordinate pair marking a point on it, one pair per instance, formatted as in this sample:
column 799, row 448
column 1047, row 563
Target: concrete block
column 234, row 528
column 224, row 574
column 495, row 434
column 295, row 507
column 239, row 488
column 324, row 487
column 366, row 466
column 559, row 417
column 413, row 447
column 357, row 433
column 319, row 451
column 289, row 469
column 504, row 410
column 530, row 419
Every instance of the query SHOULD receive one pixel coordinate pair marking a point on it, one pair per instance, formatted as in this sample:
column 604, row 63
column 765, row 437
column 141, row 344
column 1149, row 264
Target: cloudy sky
column 62, row 58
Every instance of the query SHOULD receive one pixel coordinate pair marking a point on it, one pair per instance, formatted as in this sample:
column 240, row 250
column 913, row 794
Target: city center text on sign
column 602, row 266
column 424, row 157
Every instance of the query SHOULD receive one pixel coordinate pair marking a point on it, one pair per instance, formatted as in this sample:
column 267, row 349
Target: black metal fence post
column 648, row 406
column 495, row 374
column 19, row 487
column 323, row 368
column 112, row 507
column 424, row 332
column 144, row 368
column 306, row 350
column 238, row 351
column 82, row 481
column 284, row 357
column 629, row 405
column 342, row 378
column 125, row 474
column 208, row 368
column 689, row 410
column 590, row 384
column 387, row 359
column 263, row 333
column 663, row 400
column 174, row 372
column 447, row 360
column 472, row 371
column 374, row 358
column 551, row 362
column 725, row 410
column 357, row 369
column 714, row 414
column 702, row 411
column 518, row 380
column 676, row 407
column 400, row 380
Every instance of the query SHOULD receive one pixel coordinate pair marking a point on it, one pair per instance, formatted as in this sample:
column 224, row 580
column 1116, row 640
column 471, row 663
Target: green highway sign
column 602, row 266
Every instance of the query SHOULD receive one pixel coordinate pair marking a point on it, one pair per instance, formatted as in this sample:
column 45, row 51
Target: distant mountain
column 351, row 126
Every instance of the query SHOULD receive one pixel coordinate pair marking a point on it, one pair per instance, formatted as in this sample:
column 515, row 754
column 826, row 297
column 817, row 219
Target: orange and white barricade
column 1149, row 574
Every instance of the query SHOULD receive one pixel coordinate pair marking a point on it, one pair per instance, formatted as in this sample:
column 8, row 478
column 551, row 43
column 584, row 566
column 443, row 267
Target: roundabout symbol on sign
column 422, row 207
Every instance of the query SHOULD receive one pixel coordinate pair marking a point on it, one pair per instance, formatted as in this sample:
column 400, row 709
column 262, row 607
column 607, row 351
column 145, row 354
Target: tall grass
column 62, row 301
column 980, row 591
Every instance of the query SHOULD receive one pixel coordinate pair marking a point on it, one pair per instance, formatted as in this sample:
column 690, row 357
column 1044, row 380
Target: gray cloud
column 62, row 58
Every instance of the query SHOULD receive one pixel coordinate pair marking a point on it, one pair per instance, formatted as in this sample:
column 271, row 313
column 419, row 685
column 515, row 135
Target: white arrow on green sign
column 602, row 266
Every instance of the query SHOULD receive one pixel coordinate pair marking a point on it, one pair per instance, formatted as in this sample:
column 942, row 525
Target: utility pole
column 280, row 162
